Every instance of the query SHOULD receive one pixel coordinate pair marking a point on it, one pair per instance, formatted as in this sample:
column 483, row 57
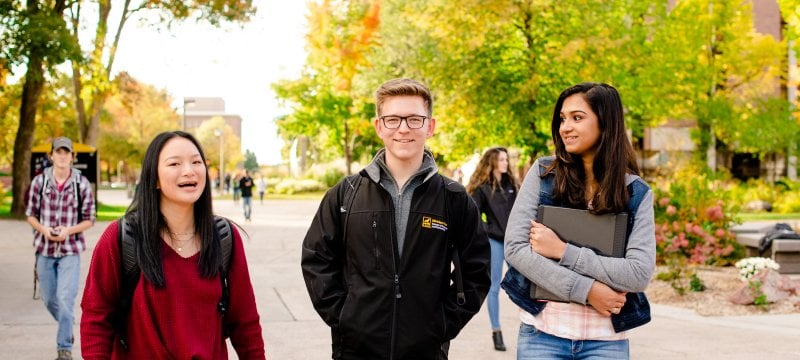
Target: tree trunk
column 92, row 131
column 32, row 89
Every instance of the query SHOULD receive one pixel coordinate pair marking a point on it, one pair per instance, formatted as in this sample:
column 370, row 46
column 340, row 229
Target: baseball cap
column 62, row 142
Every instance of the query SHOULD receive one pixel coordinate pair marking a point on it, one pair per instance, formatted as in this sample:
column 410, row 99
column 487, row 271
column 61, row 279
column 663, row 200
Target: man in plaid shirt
column 60, row 208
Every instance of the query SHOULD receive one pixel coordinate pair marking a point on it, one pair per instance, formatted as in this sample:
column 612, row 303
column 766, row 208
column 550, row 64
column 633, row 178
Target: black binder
column 604, row 234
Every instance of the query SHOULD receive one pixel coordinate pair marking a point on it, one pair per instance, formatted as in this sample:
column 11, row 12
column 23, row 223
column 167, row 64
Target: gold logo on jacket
column 431, row 223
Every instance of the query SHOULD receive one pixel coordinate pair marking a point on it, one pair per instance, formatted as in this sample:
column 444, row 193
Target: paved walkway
column 292, row 330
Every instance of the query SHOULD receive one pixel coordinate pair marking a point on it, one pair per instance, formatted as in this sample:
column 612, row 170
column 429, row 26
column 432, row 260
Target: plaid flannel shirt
column 59, row 208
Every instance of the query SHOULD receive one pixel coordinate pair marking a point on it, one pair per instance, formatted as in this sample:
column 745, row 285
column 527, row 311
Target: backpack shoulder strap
column 449, row 186
column 78, row 197
column 225, row 232
column 127, row 250
column 129, row 271
column 351, row 184
column 41, row 197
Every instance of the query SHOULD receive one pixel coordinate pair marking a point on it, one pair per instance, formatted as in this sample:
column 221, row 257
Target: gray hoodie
column 379, row 173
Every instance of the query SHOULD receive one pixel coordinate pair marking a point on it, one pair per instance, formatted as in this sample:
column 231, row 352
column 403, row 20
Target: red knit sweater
column 178, row 321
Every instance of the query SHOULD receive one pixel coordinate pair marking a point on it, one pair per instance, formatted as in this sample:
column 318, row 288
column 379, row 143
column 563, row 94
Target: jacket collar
column 378, row 164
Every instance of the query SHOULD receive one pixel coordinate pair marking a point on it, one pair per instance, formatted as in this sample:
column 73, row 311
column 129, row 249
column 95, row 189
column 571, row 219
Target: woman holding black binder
column 594, row 168
column 494, row 189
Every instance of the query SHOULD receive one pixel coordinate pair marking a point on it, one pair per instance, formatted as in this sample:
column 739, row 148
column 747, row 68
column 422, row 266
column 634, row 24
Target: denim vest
column 635, row 312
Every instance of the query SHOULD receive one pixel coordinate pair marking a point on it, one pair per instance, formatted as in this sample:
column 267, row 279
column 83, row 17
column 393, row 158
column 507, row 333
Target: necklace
column 175, row 238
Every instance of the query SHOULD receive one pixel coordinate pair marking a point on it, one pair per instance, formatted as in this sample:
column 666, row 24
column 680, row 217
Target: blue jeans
column 58, row 281
column 534, row 344
column 492, row 302
column 247, row 204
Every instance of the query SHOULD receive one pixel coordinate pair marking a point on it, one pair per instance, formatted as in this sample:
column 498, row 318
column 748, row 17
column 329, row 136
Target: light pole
column 186, row 102
column 219, row 133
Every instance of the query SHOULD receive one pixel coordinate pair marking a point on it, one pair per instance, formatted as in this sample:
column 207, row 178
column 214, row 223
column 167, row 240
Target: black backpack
column 131, row 273
column 778, row 231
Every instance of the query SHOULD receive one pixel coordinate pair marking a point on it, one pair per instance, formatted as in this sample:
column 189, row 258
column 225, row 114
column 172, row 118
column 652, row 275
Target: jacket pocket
column 345, row 321
column 376, row 252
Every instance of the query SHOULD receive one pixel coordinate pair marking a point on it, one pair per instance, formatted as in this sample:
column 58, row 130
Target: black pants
column 444, row 350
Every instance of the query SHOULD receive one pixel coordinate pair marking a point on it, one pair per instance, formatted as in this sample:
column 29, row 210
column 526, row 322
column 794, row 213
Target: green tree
column 131, row 118
column 497, row 67
column 92, row 77
column 726, row 76
column 54, row 115
column 38, row 35
column 33, row 34
column 325, row 101
column 232, row 147
column 250, row 161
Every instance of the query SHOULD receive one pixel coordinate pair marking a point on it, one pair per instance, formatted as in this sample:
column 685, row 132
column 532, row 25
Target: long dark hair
column 613, row 159
column 148, row 222
column 484, row 172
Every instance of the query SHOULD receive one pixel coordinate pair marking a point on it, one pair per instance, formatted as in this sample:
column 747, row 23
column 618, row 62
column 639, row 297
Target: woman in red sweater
column 173, row 313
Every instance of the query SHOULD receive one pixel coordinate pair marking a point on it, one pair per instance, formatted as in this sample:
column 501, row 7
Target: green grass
column 768, row 216
column 104, row 212
column 110, row 212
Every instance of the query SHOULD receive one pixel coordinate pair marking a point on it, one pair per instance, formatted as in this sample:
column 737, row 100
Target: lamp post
column 219, row 133
column 186, row 102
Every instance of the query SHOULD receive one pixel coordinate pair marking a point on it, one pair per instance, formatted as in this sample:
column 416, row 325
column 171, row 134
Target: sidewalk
column 292, row 330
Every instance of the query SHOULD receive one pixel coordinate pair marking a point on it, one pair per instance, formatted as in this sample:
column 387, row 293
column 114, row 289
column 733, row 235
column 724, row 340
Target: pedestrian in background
column 176, row 309
column 60, row 208
column 377, row 258
column 236, row 189
column 227, row 183
column 246, row 187
column 262, row 188
column 493, row 186
column 594, row 168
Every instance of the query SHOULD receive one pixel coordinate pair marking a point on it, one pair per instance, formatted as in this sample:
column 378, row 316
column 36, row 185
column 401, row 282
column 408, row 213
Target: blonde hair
column 403, row 87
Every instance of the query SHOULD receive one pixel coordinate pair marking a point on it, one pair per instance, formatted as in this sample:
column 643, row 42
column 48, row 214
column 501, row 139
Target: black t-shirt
column 246, row 185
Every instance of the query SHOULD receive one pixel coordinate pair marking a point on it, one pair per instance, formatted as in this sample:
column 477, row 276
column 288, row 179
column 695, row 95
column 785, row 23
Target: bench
column 786, row 252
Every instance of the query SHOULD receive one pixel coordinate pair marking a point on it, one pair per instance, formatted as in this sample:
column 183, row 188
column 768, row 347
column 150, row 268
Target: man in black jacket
column 377, row 257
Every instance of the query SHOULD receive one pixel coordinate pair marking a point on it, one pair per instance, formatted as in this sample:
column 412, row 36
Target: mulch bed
column 720, row 283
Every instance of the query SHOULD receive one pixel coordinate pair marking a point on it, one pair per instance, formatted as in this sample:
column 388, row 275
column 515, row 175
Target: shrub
column 788, row 202
column 753, row 191
column 291, row 186
column 782, row 196
column 693, row 216
column 332, row 176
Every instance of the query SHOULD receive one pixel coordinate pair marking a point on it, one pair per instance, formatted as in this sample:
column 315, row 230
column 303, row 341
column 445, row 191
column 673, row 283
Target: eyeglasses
column 412, row 121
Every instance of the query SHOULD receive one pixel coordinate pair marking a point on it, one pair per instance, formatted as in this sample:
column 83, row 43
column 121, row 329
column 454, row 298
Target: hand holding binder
column 605, row 234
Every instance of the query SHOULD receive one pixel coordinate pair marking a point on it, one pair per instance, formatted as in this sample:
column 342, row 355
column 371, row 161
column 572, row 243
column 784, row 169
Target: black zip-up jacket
column 497, row 206
column 380, row 305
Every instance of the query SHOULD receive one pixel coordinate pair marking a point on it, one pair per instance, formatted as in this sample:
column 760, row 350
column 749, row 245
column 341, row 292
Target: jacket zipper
column 397, row 294
column 375, row 243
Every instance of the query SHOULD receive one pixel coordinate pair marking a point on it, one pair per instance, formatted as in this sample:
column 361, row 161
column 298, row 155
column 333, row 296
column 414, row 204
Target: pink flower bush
column 693, row 222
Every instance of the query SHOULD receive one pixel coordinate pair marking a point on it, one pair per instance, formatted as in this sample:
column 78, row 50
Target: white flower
column 748, row 267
